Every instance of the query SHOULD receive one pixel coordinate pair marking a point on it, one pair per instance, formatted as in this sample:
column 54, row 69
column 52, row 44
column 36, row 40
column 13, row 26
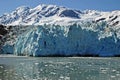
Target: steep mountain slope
column 52, row 14
column 50, row 30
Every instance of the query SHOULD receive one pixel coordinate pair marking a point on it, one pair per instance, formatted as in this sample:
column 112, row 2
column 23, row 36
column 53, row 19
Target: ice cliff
column 77, row 39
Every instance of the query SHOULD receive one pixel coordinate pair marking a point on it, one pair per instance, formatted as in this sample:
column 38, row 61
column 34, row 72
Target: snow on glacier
column 84, row 38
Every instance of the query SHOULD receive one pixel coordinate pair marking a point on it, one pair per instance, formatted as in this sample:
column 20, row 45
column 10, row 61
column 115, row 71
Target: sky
column 7, row 6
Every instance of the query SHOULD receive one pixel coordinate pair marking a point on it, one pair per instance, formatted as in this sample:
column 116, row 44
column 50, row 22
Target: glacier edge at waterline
column 77, row 39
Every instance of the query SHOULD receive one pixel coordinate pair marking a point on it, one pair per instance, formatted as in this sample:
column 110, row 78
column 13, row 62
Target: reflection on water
column 60, row 68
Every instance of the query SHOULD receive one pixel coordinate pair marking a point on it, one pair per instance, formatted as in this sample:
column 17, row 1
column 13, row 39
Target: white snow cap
column 52, row 14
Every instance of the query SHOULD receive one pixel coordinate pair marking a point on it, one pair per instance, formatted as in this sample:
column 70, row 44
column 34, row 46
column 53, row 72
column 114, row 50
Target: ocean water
column 59, row 68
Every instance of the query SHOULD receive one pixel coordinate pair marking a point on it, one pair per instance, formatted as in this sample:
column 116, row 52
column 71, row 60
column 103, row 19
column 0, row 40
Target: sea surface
column 59, row 68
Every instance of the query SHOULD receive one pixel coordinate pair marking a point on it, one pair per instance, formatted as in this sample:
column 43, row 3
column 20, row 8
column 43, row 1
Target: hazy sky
column 7, row 6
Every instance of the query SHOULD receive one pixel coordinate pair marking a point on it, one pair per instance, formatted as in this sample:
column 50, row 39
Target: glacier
column 77, row 39
column 48, row 30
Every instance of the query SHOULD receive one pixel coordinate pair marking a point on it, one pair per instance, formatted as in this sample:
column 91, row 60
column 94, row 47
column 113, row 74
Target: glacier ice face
column 84, row 38
column 7, row 49
column 8, row 36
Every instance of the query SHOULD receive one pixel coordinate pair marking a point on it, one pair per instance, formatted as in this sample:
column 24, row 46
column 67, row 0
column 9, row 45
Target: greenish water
column 59, row 68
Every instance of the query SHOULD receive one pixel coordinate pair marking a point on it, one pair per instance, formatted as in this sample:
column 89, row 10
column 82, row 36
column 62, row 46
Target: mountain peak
column 22, row 9
column 45, row 5
column 48, row 6
column 47, row 14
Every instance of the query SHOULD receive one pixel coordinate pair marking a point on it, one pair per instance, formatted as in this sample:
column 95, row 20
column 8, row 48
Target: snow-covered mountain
column 51, row 29
column 52, row 14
